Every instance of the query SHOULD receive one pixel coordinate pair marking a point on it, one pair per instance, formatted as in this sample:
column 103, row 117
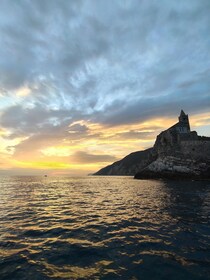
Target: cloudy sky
column 84, row 83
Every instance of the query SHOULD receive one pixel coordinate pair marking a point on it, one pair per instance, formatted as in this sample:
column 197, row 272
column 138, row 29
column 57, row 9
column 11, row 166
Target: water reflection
column 103, row 228
column 187, row 201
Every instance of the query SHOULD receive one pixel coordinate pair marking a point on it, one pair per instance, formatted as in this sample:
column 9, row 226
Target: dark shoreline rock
column 145, row 175
column 172, row 167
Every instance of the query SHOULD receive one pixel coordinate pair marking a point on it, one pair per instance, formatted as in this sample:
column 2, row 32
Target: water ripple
column 103, row 228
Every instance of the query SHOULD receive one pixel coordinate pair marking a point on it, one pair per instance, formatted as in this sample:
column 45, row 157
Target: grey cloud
column 32, row 120
column 132, row 134
column 113, row 63
column 75, row 128
column 194, row 99
column 31, row 147
column 50, row 136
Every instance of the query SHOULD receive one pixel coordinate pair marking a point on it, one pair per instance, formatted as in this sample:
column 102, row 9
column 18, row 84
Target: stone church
column 179, row 138
column 183, row 125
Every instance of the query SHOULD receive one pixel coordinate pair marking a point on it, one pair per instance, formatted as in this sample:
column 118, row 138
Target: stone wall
column 190, row 145
column 196, row 149
column 203, row 138
column 192, row 136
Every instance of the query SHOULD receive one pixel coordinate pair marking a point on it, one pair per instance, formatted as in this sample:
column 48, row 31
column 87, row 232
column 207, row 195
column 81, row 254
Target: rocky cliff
column 171, row 167
column 130, row 164
column 177, row 153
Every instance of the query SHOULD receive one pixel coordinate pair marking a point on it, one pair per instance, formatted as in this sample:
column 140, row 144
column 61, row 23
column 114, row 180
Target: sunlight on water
column 103, row 228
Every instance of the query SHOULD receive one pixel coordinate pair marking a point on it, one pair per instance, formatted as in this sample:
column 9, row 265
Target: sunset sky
column 84, row 83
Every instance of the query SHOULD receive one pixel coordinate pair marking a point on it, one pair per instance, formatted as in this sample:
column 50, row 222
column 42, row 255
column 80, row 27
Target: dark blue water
column 103, row 228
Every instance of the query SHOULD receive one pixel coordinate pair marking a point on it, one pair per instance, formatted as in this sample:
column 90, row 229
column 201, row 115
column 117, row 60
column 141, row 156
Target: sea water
column 103, row 228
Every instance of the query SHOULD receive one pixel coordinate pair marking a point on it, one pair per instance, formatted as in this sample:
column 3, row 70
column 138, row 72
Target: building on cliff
column 178, row 152
column 182, row 130
column 183, row 125
column 179, row 131
column 176, row 139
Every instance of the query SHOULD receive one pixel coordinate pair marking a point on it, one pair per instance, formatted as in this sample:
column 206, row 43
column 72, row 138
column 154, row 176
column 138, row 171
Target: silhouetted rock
column 178, row 153
column 130, row 164
column 175, row 168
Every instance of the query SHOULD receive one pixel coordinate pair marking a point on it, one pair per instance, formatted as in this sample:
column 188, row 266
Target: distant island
column 178, row 153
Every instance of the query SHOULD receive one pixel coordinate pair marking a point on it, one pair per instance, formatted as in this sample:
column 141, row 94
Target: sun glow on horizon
column 88, row 152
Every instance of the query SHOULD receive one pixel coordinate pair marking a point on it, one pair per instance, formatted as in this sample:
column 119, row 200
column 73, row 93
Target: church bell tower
column 184, row 122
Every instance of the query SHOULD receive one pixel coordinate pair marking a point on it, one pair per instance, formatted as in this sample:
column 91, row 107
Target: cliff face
column 129, row 165
column 175, row 168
